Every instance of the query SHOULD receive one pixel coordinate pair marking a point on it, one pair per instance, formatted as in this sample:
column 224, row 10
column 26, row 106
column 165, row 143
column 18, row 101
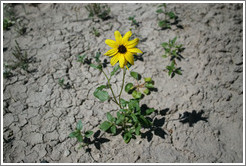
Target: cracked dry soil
column 38, row 114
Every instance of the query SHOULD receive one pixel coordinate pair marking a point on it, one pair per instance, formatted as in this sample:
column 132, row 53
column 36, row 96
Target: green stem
column 115, row 100
column 122, row 86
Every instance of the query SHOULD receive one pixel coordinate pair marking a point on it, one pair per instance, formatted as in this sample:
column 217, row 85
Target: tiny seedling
column 20, row 28
column 62, row 84
column 6, row 72
column 169, row 17
column 83, row 138
column 95, row 32
column 7, row 23
column 21, row 57
column 134, row 22
column 8, row 16
column 172, row 50
column 99, row 10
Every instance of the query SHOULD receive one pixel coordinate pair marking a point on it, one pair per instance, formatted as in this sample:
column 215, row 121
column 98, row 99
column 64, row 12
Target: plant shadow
column 156, row 128
column 192, row 117
column 98, row 140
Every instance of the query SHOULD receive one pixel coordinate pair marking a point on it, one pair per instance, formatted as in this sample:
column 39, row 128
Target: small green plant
column 172, row 50
column 83, row 59
column 83, row 138
column 62, row 84
column 6, row 72
column 20, row 28
column 169, row 17
column 133, row 21
column 130, row 119
column 7, row 23
column 139, row 89
column 95, row 32
column 100, row 10
column 8, row 16
column 22, row 58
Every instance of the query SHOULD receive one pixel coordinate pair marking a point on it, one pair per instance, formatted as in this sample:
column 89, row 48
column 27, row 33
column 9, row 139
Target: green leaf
column 81, row 58
column 136, row 94
column 171, row 15
column 135, row 119
column 135, row 75
column 96, row 66
column 80, row 138
column 172, row 64
column 79, row 125
column 102, row 87
column 137, row 129
column 100, row 94
column 170, row 72
column 113, row 129
column 116, row 68
column 105, row 125
column 162, row 5
column 150, row 111
column 73, row 134
column 88, row 133
column 120, row 118
column 178, row 71
column 148, row 79
column 159, row 11
column 127, row 137
column 123, row 102
column 145, row 122
column 98, row 54
column 149, row 85
column 164, row 56
column 134, row 105
column 146, row 91
column 164, row 45
column 173, row 41
column 128, row 87
column 109, row 117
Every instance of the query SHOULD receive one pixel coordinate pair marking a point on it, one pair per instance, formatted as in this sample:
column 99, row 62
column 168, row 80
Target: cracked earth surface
column 38, row 114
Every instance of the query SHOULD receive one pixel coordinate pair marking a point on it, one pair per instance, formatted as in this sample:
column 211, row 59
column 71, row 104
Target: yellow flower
column 122, row 49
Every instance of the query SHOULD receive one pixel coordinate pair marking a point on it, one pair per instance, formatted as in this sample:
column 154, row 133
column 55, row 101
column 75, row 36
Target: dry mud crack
column 38, row 114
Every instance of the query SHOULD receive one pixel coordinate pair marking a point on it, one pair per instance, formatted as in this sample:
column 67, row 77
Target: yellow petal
column 134, row 50
column 126, row 37
column 129, row 57
column 114, row 59
column 132, row 43
column 122, row 60
column 111, row 43
column 118, row 37
column 111, row 52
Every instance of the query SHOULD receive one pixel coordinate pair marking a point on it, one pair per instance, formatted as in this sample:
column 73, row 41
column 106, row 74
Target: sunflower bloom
column 122, row 49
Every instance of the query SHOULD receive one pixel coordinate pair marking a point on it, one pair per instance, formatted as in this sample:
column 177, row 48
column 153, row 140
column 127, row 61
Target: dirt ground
column 38, row 114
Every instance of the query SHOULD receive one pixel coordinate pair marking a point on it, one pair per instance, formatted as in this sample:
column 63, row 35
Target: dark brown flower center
column 122, row 49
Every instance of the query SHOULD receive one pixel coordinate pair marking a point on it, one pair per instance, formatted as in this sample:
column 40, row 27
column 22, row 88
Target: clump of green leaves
column 133, row 21
column 6, row 72
column 173, row 50
column 100, row 10
column 139, row 89
column 128, row 121
column 22, row 58
column 8, row 16
column 83, row 138
column 169, row 17
column 7, row 23
column 95, row 32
